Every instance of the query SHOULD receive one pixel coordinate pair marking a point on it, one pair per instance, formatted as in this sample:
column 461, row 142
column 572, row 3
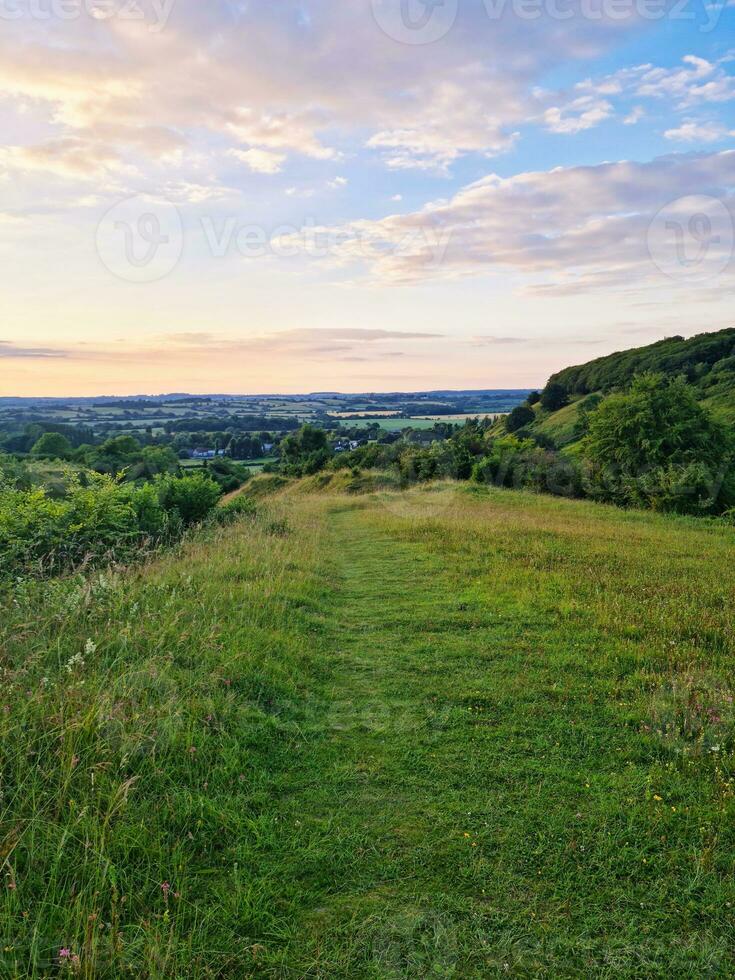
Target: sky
column 363, row 195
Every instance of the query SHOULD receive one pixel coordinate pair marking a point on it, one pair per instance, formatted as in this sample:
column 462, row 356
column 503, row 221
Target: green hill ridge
column 707, row 361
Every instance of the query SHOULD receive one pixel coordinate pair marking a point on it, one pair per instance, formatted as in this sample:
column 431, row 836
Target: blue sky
column 375, row 194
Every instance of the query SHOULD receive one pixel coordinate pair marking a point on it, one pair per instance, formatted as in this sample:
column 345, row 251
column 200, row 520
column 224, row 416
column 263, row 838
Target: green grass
column 560, row 425
column 449, row 732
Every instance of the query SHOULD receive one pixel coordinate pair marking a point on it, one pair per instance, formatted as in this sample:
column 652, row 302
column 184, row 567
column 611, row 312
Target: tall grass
column 137, row 715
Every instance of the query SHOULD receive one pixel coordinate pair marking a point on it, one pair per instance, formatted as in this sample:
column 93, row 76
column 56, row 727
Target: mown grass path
column 478, row 768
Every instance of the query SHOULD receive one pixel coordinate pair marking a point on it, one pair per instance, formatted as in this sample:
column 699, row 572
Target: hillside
column 448, row 732
column 707, row 361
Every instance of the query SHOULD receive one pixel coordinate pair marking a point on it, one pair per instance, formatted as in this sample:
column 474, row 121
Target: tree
column 533, row 398
column 52, row 444
column 120, row 446
column 554, row 397
column 656, row 445
column 305, row 451
column 520, row 416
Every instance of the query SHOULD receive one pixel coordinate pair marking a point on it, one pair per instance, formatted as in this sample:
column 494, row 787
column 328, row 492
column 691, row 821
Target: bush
column 520, row 416
column 554, row 397
column 93, row 523
column 521, row 464
column 234, row 511
column 191, row 497
column 657, row 447
column 97, row 521
column 53, row 445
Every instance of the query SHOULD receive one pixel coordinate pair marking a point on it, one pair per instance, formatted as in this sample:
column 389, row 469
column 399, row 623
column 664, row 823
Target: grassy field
column 393, row 425
column 440, row 733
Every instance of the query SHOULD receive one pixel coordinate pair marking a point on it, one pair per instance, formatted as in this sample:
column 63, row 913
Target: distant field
column 418, row 422
column 253, row 464
column 463, row 416
column 347, row 415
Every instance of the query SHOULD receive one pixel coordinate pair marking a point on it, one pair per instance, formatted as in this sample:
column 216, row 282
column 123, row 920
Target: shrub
column 656, row 446
column 38, row 535
column 521, row 464
column 98, row 520
column 234, row 511
column 191, row 497
column 54, row 445
column 520, row 416
column 554, row 397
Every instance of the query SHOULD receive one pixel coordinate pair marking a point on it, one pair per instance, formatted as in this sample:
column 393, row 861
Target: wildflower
column 657, row 798
column 64, row 953
column 166, row 888
column 76, row 661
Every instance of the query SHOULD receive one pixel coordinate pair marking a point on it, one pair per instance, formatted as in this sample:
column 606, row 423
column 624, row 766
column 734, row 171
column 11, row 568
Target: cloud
column 692, row 131
column 584, row 227
column 320, row 343
column 692, row 82
column 486, row 341
column 70, row 157
column 297, row 77
column 323, row 345
column 578, row 115
column 699, row 81
column 280, row 131
column 11, row 350
column 452, row 122
column 260, row 161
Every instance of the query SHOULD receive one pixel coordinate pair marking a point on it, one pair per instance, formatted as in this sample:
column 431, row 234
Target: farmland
column 451, row 731
column 277, row 412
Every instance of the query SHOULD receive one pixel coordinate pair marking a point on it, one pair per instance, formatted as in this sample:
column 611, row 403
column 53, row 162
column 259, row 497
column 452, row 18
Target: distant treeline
column 234, row 423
